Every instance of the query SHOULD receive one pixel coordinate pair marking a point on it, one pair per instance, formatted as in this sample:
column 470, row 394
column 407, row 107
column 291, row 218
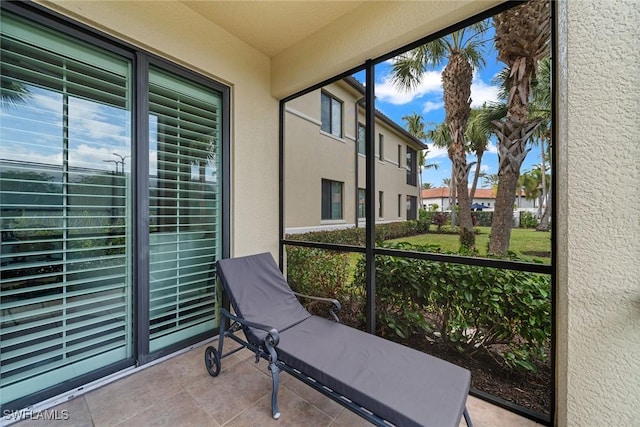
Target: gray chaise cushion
column 258, row 292
column 399, row 384
column 403, row 386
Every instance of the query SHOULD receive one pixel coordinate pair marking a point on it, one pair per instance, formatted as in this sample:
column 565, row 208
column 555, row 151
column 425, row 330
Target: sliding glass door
column 66, row 120
column 111, row 206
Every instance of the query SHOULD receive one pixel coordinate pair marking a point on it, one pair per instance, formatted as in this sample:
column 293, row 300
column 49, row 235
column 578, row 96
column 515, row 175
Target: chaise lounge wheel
column 212, row 361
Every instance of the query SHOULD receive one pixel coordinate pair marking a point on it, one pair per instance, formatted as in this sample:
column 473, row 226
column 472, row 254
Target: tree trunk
column 476, row 176
column 503, row 213
column 546, row 216
column 456, row 82
column 459, row 159
column 452, row 197
column 521, row 37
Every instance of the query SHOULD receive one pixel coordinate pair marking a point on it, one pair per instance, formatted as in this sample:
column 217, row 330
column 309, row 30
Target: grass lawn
column 526, row 242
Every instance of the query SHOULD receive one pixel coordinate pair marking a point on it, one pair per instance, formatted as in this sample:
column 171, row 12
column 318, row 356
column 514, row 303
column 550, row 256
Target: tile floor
column 180, row 392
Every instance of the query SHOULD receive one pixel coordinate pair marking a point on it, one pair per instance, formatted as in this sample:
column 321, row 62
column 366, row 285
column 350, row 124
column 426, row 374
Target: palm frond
column 13, row 93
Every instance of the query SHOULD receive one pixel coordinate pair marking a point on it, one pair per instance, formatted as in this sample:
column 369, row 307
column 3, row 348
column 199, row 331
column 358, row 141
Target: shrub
column 317, row 272
column 327, row 274
column 440, row 219
column 484, row 218
column 528, row 220
column 470, row 308
column 356, row 236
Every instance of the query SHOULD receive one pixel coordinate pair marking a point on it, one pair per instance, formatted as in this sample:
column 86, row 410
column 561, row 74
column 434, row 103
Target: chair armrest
column 272, row 338
column 335, row 304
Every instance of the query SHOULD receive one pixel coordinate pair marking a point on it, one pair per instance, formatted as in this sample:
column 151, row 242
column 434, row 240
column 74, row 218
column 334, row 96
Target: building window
column 399, row 155
column 331, row 199
column 331, row 114
column 412, row 167
column 362, row 194
column 412, row 207
column 399, row 205
column 381, row 204
column 361, row 139
column 381, row 146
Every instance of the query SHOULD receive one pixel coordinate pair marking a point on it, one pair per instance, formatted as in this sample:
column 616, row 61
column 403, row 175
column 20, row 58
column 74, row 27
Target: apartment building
column 325, row 158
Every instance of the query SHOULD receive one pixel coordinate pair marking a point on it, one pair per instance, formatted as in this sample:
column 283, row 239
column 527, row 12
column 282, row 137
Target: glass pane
column 65, row 186
column 336, row 200
column 325, row 117
column 336, row 117
column 185, row 208
column 456, row 201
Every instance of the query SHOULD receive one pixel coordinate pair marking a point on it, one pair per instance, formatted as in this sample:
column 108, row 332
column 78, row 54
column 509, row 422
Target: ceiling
column 272, row 26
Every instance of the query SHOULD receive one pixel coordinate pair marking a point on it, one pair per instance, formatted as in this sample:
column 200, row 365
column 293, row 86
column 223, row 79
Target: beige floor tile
column 181, row 410
column 484, row 414
column 233, row 391
column 125, row 398
column 188, row 367
column 314, row 397
column 295, row 411
column 180, row 392
column 74, row 413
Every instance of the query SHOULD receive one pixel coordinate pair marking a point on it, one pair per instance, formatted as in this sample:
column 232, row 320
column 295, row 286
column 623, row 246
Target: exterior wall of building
column 369, row 31
column 391, row 177
column 312, row 155
column 598, row 247
column 177, row 33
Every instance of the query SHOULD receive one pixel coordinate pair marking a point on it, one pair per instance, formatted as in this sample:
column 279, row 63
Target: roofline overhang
column 354, row 83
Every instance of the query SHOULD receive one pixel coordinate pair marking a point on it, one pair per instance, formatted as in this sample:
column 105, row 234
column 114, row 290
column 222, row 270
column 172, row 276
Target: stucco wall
column 369, row 31
column 599, row 220
column 177, row 33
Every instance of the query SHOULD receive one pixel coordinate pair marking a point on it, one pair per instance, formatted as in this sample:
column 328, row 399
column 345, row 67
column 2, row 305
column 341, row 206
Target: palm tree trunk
column 521, row 37
column 503, row 214
column 476, row 176
column 546, row 216
column 452, row 197
column 512, row 139
column 458, row 157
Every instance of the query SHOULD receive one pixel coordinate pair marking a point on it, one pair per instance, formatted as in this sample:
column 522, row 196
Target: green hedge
column 469, row 307
column 356, row 236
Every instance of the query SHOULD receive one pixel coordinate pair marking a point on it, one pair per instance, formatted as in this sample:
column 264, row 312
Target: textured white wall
column 599, row 214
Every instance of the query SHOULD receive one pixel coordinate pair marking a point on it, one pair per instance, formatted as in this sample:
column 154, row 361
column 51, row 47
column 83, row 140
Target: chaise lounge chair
column 384, row 382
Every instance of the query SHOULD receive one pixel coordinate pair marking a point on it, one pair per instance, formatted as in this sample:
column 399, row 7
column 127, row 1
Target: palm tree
column 541, row 108
column 490, row 180
column 12, row 92
column 415, row 126
column 522, row 36
column 477, row 133
column 461, row 50
column 441, row 137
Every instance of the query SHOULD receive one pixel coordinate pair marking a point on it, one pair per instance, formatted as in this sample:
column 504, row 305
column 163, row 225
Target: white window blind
column 185, row 207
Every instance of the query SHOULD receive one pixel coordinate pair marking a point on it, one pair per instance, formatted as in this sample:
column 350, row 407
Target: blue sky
column 427, row 100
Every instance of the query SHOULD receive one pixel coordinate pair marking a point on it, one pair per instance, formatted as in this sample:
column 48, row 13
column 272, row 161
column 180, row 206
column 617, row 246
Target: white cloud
column 387, row 91
column 431, row 106
column 492, row 148
column 482, row 92
column 436, row 153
